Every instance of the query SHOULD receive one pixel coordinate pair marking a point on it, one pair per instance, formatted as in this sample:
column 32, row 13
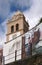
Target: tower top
column 18, row 13
column 17, row 25
column 16, row 16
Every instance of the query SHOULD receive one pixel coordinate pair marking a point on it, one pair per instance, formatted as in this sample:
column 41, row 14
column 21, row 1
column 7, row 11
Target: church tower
column 16, row 26
column 15, row 44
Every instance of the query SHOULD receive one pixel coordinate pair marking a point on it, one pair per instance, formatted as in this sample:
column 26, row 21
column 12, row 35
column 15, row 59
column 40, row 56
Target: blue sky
column 9, row 6
column 32, row 10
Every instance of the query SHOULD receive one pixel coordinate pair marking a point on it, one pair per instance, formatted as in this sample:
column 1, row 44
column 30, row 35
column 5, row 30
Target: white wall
column 14, row 35
column 9, row 49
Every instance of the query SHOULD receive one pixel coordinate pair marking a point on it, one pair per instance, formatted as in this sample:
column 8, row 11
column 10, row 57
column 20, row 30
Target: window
column 17, row 27
column 18, row 45
column 12, row 29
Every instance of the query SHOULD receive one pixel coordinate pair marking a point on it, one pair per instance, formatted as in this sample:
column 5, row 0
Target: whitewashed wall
column 9, row 49
column 14, row 35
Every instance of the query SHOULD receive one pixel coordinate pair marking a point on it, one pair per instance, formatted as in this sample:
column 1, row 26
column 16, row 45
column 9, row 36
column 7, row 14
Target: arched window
column 12, row 29
column 17, row 27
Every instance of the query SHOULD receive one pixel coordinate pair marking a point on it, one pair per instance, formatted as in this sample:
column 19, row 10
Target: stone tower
column 16, row 26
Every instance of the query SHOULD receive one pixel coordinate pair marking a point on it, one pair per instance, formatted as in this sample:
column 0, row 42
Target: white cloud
column 3, row 30
column 34, row 13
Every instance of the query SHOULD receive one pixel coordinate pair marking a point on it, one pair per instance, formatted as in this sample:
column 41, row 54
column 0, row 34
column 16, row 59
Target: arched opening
column 17, row 27
column 12, row 29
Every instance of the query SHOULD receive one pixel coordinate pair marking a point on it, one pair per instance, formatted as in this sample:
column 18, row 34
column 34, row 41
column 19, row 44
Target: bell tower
column 15, row 44
column 16, row 26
